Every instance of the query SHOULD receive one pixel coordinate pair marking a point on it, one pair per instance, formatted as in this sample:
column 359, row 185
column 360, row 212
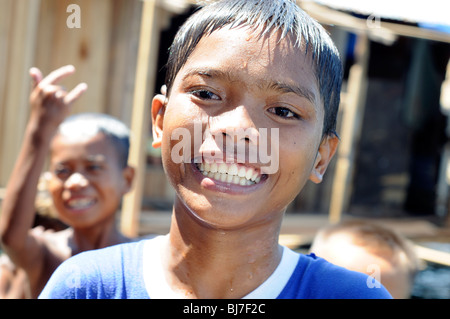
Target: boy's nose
column 76, row 181
column 236, row 126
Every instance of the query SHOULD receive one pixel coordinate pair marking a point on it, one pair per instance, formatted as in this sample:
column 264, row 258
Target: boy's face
column 236, row 80
column 87, row 182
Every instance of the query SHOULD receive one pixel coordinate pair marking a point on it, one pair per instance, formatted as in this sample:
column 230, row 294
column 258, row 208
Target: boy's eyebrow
column 209, row 73
column 96, row 158
column 267, row 85
column 89, row 158
column 288, row 88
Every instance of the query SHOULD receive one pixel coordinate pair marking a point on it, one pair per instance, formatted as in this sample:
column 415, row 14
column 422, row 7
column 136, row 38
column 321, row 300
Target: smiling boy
column 234, row 65
column 88, row 177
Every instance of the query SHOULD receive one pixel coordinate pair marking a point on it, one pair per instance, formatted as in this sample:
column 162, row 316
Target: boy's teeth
column 242, row 172
column 249, row 174
column 230, row 173
column 233, row 169
column 222, row 168
column 80, row 203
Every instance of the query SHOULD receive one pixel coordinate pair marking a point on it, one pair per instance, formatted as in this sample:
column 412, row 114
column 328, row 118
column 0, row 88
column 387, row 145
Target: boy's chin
column 221, row 214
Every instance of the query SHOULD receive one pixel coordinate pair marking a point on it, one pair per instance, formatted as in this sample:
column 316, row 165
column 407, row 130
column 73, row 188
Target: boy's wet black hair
column 270, row 16
column 87, row 125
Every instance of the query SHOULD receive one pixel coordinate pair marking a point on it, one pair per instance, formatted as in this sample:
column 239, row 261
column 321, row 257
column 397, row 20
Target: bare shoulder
column 56, row 244
column 51, row 249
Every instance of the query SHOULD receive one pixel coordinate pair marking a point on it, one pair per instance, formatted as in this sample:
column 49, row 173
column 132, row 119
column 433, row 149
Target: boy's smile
column 234, row 178
column 231, row 173
column 236, row 79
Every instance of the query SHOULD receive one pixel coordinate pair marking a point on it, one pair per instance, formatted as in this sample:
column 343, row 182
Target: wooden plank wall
column 18, row 23
column 145, row 78
column 103, row 50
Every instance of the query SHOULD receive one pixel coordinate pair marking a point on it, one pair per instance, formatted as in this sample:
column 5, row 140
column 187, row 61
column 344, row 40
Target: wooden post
column 140, row 121
column 350, row 130
column 6, row 7
column 20, row 57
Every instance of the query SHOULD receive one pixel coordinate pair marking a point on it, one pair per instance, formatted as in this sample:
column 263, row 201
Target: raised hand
column 50, row 102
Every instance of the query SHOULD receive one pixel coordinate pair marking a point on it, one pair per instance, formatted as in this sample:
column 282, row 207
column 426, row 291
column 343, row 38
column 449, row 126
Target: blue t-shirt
column 117, row 272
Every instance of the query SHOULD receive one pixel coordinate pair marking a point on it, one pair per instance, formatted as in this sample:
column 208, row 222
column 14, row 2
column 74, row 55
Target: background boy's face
column 235, row 79
column 87, row 182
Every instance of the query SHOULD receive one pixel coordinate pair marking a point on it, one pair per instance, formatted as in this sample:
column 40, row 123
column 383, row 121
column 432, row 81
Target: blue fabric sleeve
column 316, row 278
column 71, row 280
column 110, row 273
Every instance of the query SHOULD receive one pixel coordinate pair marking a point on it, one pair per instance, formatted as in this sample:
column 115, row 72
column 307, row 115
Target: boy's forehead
column 252, row 42
column 79, row 137
column 95, row 146
column 229, row 52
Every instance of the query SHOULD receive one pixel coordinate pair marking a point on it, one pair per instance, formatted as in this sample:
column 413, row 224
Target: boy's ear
column 158, row 109
column 326, row 151
column 128, row 174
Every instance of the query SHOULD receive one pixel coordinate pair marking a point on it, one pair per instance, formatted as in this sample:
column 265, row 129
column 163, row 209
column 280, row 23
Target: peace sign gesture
column 50, row 102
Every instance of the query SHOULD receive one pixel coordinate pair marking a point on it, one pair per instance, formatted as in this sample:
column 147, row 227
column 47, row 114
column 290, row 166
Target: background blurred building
column 392, row 159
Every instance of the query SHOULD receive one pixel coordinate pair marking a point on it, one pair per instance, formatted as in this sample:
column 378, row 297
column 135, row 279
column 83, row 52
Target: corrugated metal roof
column 429, row 12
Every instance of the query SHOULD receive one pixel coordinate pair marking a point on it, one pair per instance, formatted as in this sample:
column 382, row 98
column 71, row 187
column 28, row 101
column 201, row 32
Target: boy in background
column 371, row 249
column 88, row 177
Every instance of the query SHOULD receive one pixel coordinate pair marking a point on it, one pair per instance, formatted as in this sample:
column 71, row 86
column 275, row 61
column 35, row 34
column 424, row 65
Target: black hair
column 85, row 125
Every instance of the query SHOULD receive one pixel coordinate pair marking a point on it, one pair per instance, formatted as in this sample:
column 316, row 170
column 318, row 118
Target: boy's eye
column 94, row 167
column 283, row 112
column 62, row 172
column 205, row 95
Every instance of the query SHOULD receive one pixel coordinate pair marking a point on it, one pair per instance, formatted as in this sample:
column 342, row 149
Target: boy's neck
column 205, row 262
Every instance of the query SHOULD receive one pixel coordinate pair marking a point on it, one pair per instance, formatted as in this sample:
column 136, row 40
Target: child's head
column 87, row 125
column 266, row 17
column 371, row 249
column 259, row 67
column 89, row 170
